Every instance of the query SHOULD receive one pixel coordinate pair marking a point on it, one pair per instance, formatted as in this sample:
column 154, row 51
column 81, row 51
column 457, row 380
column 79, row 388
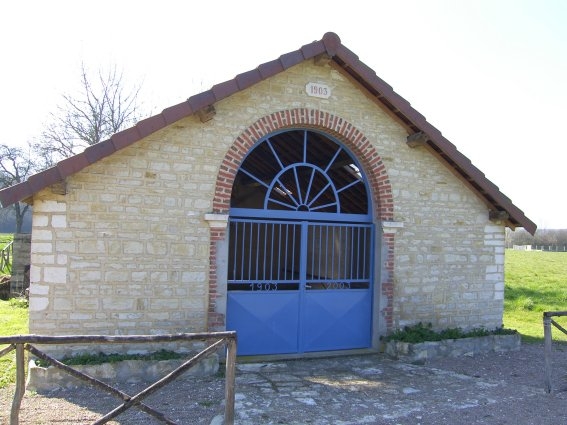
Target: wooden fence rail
column 547, row 322
column 23, row 342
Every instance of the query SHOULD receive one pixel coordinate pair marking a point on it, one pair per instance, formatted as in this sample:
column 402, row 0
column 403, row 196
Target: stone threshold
column 303, row 356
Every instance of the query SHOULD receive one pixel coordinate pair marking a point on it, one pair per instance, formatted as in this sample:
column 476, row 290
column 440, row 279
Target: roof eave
column 341, row 58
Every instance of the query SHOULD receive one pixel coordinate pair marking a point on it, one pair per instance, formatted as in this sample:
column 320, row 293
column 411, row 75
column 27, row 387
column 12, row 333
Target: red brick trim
column 352, row 138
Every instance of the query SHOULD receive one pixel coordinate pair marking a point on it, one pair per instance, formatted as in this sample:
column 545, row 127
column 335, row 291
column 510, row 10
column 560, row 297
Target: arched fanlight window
column 300, row 171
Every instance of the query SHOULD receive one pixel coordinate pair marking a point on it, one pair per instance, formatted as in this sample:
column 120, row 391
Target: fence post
column 230, row 376
column 547, row 350
column 20, row 385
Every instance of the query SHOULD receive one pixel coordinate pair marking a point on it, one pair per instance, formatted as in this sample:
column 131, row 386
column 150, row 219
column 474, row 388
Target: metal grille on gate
column 299, row 286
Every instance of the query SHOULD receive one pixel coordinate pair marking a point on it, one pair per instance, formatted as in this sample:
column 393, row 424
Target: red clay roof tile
column 44, row 178
column 151, row 125
column 313, row 49
column 269, row 69
column 98, row 151
column 176, row 112
column 224, row 90
column 125, row 138
column 291, row 59
column 247, row 79
column 70, row 166
column 201, row 100
column 332, row 42
column 18, row 192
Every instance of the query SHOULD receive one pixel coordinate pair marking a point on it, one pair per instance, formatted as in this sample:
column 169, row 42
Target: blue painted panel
column 336, row 320
column 266, row 323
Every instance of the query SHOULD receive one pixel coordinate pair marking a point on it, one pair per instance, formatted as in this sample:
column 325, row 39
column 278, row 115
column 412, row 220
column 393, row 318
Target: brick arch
column 353, row 138
column 367, row 156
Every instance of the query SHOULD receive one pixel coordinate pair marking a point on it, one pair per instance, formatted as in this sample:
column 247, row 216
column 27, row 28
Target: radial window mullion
column 276, row 156
column 298, row 186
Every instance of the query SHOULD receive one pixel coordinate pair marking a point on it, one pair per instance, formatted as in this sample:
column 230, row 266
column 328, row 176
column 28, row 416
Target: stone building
column 303, row 203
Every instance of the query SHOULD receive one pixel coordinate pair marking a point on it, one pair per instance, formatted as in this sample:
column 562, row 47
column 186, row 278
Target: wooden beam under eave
column 322, row 59
column 498, row 216
column 207, row 114
column 59, row 188
column 417, row 139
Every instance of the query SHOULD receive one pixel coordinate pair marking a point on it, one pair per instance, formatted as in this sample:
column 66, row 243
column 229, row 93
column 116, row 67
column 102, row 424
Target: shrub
column 525, row 303
column 100, row 358
column 421, row 333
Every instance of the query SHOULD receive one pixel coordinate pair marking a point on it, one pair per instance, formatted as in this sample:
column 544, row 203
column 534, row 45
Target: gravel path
column 486, row 389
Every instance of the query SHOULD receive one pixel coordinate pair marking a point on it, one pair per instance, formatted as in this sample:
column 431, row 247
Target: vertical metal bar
column 230, row 377
column 320, row 251
column 235, row 258
column 332, row 252
column 340, row 252
column 286, row 251
column 327, row 252
column 293, row 252
column 257, row 250
column 547, row 350
column 272, row 252
column 302, row 313
column 352, row 256
column 247, row 250
column 20, row 385
column 265, row 228
column 313, row 252
column 365, row 259
column 358, row 252
column 278, row 274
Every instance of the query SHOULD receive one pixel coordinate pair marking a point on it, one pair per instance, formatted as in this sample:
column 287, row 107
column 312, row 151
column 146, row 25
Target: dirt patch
column 486, row 389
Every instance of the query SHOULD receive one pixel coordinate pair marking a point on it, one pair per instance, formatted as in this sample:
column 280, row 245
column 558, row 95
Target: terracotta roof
column 340, row 57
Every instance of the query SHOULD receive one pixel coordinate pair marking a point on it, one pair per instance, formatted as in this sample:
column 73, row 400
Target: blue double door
column 299, row 286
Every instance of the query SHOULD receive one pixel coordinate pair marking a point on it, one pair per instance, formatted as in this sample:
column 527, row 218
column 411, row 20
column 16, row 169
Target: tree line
column 103, row 106
column 542, row 237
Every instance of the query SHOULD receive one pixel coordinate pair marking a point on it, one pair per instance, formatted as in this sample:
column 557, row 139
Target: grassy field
column 13, row 321
column 535, row 282
column 5, row 238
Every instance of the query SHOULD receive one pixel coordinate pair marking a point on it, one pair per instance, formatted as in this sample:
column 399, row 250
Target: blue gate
column 300, row 248
column 297, row 286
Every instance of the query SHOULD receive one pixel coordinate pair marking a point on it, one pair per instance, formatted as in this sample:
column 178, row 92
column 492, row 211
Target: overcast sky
column 490, row 75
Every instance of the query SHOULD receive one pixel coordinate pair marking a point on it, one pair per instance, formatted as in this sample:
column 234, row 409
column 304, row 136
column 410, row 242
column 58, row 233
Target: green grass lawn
column 13, row 321
column 536, row 281
column 5, row 239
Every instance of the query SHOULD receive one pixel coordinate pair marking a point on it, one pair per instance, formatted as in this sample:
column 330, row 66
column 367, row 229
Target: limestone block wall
column 19, row 281
column 449, row 257
column 128, row 250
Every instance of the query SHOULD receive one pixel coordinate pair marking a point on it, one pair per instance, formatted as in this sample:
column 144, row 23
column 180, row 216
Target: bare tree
column 16, row 165
column 103, row 107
